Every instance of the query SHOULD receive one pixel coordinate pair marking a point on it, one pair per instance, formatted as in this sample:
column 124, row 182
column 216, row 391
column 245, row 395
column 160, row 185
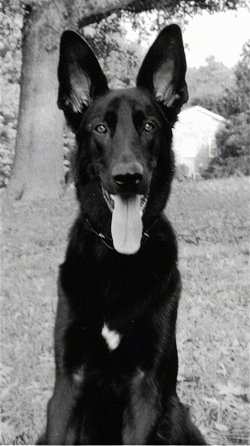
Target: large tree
column 38, row 163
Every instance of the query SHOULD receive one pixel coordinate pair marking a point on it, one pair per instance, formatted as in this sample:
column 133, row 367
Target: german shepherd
column 119, row 286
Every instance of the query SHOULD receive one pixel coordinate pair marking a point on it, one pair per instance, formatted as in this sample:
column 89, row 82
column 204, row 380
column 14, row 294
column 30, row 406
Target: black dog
column 115, row 346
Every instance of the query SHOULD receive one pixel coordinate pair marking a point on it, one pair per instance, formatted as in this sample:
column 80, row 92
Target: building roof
column 203, row 110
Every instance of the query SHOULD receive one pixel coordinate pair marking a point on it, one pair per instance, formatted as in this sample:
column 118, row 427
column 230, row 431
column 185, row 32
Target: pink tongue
column 126, row 226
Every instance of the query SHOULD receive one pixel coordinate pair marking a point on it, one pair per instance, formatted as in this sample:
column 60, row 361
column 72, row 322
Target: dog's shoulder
column 163, row 237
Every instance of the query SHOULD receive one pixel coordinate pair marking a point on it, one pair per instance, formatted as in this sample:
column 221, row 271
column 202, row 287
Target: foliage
column 208, row 83
column 237, row 99
column 119, row 56
column 224, row 167
column 10, row 65
column 233, row 139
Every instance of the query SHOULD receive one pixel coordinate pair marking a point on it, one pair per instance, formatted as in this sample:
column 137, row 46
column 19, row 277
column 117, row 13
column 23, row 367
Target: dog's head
column 124, row 161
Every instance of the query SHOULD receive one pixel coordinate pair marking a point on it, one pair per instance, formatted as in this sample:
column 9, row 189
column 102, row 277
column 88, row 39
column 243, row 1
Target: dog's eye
column 148, row 126
column 101, row 128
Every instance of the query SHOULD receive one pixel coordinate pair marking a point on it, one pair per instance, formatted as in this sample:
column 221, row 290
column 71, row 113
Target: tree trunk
column 38, row 163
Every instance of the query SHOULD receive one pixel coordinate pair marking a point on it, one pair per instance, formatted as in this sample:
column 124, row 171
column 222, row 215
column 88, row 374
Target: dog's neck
column 106, row 240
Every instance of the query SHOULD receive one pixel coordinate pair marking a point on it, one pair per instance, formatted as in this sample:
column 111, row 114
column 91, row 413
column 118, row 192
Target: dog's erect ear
column 80, row 77
column 163, row 70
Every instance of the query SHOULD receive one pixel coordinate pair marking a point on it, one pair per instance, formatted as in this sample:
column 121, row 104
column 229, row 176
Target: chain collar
column 107, row 241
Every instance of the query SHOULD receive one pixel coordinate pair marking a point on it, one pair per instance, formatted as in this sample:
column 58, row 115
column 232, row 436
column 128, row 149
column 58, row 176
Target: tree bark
column 38, row 163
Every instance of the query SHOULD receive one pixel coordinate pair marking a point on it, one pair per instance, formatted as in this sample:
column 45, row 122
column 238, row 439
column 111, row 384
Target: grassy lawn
column 211, row 219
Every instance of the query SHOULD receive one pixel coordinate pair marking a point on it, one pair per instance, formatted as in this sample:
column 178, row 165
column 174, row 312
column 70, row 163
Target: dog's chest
column 112, row 337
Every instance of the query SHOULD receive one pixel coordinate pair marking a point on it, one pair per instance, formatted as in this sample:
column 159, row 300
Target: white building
column 194, row 138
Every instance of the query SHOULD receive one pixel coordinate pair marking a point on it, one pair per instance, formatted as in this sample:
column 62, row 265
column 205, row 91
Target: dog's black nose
column 127, row 176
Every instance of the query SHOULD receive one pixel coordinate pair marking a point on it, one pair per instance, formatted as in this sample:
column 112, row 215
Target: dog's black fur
column 123, row 393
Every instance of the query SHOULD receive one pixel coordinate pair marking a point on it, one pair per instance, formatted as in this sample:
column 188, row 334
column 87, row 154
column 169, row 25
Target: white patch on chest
column 112, row 338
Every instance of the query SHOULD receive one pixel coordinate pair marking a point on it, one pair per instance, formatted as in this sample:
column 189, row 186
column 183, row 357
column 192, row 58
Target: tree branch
column 99, row 12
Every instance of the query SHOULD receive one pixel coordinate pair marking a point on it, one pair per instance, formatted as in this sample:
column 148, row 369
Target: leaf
column 222, row 370
column 211, row 401
column 230, row 389
column 221, row 427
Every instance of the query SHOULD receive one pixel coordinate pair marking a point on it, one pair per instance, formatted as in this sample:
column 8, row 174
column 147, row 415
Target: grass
column 212, row 223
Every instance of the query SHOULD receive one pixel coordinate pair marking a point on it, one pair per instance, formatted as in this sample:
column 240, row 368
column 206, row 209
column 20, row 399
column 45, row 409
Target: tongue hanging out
column 126, row 226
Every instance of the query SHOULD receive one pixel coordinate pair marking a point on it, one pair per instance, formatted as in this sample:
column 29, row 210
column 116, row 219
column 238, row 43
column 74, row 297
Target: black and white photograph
column 125, row 222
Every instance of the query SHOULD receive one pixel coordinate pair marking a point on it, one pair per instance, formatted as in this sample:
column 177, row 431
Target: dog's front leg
column 59, row 413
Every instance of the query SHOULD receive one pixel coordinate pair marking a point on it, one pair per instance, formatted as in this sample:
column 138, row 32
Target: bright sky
column 220, row 34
